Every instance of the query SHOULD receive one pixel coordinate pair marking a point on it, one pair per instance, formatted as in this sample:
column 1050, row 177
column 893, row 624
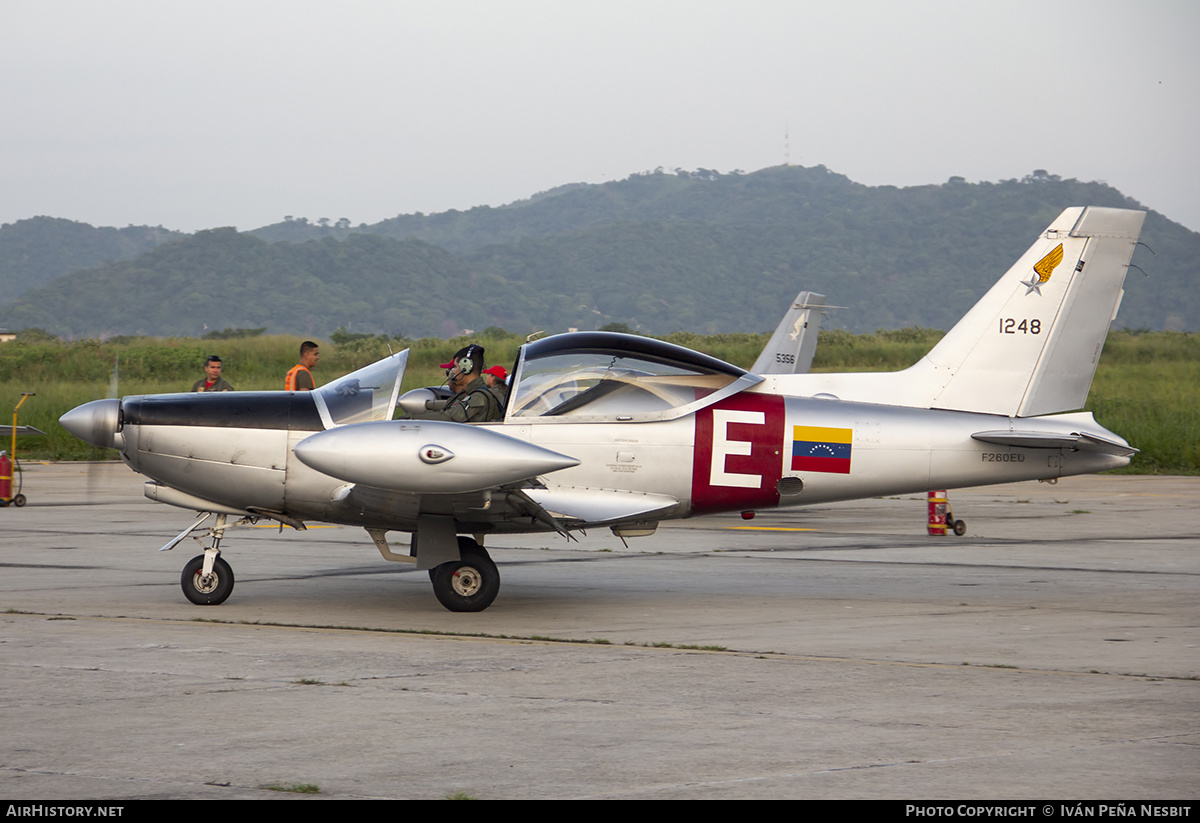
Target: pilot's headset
column 466, row 363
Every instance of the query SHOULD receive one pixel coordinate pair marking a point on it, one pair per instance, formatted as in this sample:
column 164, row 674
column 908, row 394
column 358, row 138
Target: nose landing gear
column 207, row 579
column 209, row 588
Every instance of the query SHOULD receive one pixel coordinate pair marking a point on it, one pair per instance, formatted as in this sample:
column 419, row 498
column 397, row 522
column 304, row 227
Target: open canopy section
column 363, row 396
column 605, row 376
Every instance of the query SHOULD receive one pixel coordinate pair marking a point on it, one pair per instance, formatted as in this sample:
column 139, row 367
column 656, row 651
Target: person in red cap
column 473, row 401
column 497, row 382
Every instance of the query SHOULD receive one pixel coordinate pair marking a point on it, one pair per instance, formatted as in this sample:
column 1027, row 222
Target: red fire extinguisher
column 6, row 477
column 941, row 515
column 938, row 504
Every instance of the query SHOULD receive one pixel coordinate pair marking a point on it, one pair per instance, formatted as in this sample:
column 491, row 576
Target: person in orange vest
column 300, row 377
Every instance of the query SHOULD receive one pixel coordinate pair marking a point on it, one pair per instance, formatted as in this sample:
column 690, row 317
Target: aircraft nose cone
column 94, row 422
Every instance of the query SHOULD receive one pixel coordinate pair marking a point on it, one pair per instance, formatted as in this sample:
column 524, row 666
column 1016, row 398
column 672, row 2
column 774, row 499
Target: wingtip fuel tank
column 429, row 456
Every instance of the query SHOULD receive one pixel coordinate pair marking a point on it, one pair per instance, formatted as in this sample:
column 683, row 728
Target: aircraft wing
column 599, row 506
column 7, row 431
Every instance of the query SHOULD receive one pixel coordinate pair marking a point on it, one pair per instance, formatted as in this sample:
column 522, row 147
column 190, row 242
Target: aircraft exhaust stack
column 427, row 456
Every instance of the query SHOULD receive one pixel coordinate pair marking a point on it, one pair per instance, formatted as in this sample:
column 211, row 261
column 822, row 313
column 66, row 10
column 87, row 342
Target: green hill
column 35, row 251
column 660, row 252
column 221, row 278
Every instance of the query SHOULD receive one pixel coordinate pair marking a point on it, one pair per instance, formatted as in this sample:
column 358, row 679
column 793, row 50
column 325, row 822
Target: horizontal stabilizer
column 1049, row 440
column 599, row 505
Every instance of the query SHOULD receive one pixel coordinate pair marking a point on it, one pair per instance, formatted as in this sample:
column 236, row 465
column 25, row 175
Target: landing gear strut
column 469, row 584
column 207, row 579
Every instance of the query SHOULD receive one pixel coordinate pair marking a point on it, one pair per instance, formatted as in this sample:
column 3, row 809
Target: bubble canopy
column 605, row 376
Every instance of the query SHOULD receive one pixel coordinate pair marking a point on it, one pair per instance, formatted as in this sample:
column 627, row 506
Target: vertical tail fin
column 1031, row 344
column 790, row 349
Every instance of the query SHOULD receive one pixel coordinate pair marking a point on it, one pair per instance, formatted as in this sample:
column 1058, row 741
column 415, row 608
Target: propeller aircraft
column 619, row 431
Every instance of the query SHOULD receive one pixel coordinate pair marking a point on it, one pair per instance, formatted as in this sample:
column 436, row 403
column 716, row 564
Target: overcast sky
column 217, row 112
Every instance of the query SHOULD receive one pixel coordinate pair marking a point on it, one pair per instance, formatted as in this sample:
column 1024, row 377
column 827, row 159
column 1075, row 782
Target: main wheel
column 210, row 590
column 469, row 584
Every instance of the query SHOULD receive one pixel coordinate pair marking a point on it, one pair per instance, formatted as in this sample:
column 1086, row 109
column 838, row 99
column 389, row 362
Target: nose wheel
column 207, row 589
column 468, row 584
column 207, row 580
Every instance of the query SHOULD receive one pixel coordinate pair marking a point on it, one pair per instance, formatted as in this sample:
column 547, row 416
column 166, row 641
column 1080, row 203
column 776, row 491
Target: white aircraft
column 617, row 431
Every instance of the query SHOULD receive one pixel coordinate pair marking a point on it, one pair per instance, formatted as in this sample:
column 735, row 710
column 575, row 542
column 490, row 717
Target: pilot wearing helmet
column 473, row 401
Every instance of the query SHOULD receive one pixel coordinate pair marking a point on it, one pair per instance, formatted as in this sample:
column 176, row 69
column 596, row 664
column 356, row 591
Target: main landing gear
column 469, row 584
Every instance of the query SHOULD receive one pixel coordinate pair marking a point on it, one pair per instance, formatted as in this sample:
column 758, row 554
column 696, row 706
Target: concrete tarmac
column 830, row 652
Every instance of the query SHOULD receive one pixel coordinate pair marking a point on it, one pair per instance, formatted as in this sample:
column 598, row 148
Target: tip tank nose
column 94, row 422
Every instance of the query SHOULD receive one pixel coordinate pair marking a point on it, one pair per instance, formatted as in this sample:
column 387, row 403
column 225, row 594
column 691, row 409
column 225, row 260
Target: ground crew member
column 212, row 379
column 300, row 377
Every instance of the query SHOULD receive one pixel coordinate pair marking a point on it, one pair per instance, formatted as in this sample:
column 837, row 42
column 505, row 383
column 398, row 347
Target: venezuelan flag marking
column 821, row 449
